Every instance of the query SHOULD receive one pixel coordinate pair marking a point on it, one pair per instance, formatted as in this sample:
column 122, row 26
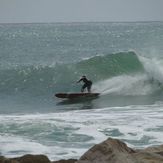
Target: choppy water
column 125, row 62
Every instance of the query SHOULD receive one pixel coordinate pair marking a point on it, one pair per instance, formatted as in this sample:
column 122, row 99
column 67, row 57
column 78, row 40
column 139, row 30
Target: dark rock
column 65, row 161
column 32, row 159
column 7, row 160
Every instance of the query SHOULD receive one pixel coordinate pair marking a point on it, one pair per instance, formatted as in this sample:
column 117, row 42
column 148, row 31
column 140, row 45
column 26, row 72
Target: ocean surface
column 125, row 63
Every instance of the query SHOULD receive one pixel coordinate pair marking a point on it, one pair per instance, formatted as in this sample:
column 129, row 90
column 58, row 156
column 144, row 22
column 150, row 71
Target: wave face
column 39, row 80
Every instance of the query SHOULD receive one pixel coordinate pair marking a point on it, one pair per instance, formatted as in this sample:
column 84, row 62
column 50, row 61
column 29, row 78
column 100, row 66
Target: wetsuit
column 87, row 84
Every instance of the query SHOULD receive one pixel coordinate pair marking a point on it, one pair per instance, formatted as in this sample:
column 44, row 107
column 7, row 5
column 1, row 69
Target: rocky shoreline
column 109, row 151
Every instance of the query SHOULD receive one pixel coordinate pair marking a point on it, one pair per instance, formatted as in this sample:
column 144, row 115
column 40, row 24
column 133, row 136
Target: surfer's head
column 83, row 76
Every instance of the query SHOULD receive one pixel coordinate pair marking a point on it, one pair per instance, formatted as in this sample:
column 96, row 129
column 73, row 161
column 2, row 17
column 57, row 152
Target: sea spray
column 153, row 67
column 125, row 85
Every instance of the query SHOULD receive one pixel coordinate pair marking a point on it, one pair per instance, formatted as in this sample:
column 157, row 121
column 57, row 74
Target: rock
column 7, row 160
column 146, row 157
column 26, row 159
column 151, row 154
column 32, row 159
column 155, row 149
column 115, row 151
column 109, row 151
column 65, row 161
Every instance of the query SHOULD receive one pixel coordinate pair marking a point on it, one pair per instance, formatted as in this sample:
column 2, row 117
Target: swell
column 62, row 77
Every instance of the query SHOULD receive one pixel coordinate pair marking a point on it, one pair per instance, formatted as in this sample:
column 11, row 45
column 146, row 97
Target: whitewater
column 125, row 63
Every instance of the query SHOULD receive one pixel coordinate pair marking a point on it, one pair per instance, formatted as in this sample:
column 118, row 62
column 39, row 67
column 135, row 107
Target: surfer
column 87, row 83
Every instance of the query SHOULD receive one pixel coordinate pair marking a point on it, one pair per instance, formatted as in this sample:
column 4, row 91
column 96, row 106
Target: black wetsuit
column 87, row 84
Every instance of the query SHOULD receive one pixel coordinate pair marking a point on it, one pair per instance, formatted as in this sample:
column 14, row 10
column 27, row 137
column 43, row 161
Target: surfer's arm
column 79, row 80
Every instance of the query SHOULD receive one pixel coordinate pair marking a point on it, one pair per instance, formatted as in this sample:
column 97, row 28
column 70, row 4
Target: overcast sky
column 26, row 11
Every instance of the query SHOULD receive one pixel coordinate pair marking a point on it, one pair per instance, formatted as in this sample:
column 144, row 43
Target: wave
column 153, row 68
column 133, row 85
column 103, row 70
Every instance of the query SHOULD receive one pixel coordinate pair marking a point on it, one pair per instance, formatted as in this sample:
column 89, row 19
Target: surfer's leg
column 83, row 87
column 82, row 90
column 89, row 88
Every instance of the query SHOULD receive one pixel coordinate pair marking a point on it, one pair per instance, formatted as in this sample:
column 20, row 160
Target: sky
column 30, row 11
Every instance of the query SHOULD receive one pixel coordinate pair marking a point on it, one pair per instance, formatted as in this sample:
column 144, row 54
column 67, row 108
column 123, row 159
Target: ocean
column 125, row 63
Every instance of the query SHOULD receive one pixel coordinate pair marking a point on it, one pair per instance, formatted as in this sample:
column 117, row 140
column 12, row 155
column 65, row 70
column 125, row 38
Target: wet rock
column 65, row 161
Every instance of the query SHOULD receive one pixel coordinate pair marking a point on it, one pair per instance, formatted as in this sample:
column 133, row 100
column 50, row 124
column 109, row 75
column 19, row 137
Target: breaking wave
column 123, row 72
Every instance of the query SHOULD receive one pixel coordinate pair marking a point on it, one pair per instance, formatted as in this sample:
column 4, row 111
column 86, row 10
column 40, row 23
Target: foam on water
column 70, row 134
column 16, row 145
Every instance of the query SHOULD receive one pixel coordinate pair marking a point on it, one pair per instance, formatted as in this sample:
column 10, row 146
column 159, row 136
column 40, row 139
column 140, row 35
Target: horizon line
column 73, row 22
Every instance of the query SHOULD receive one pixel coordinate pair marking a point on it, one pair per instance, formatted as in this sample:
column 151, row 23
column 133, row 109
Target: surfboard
column 76, row 95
